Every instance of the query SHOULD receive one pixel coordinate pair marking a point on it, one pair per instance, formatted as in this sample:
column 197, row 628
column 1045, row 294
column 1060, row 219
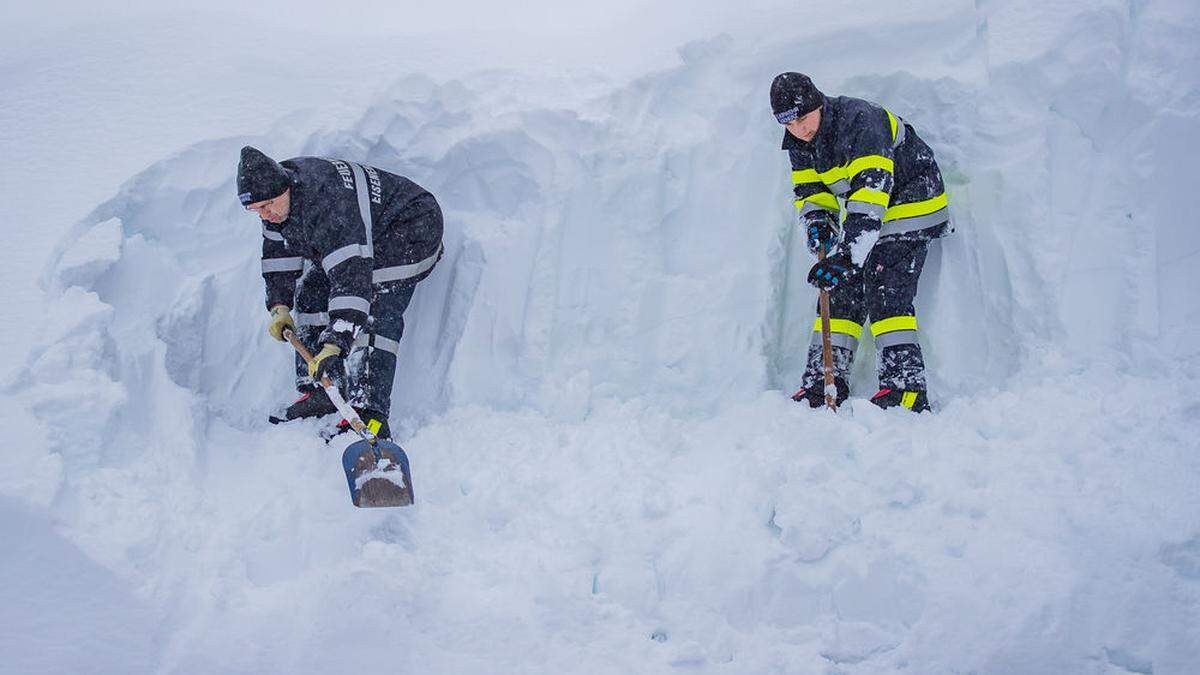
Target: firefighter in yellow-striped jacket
column 869, row 194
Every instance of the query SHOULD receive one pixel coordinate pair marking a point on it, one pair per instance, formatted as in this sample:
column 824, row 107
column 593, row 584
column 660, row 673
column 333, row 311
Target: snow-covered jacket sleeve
column 342, row 240
column 281, row 267
column 870, row 172
column 814, row 202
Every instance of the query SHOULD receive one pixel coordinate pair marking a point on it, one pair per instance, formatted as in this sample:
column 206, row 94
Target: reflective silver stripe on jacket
column 876, row 210
column 385, row 274
column 839, row 187
column 342, row 255
column 350, row 302
column 915, row 223
column 364, row 207
column 378, row 342
column 270, row 265
column 312, row 319
column 896, row 337
column 271, row 234
column 843, row 340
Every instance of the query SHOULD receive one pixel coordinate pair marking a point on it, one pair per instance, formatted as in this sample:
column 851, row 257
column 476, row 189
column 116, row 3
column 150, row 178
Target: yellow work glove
column 327, row 360
column 281, row 318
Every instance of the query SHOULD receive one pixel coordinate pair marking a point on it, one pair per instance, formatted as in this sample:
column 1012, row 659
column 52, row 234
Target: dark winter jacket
column 875, row 163
column 363, row 226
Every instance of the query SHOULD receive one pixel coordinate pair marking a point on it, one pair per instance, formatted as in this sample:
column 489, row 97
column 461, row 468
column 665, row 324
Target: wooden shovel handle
column 826, row 344
column 351, row 416
column 301, row 350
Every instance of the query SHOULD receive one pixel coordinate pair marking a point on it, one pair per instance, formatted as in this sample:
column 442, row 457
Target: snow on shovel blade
column 378, row 475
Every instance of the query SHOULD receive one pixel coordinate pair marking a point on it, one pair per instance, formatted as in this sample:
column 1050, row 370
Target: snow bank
column 609, row 475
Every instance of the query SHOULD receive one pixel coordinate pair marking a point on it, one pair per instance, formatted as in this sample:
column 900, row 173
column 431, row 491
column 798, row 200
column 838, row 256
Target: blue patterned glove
column 832, row 272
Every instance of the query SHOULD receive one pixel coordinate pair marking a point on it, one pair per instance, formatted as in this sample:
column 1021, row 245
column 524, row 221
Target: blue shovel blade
column 377, row 475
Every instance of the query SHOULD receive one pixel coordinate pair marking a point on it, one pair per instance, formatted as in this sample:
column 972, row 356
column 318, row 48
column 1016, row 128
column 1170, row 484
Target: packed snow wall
column 640, row 243
column 622, row 279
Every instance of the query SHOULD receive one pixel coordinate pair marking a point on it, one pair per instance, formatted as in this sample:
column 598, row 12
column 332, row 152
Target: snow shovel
column 826, row 345
column 377, row 469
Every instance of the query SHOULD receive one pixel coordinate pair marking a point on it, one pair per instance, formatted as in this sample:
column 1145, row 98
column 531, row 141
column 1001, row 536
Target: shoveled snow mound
column 609, row 475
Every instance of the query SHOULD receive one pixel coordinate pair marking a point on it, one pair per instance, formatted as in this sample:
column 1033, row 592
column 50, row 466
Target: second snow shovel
column 377, row 470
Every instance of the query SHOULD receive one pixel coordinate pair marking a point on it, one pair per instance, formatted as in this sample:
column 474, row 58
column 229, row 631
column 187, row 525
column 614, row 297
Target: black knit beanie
column 259, row 177
column 793, row 95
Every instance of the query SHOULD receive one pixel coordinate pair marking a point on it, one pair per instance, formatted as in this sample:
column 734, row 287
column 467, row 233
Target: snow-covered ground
column 609, row 474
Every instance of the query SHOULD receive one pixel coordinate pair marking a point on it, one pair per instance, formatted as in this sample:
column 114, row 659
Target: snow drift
column 609, row 475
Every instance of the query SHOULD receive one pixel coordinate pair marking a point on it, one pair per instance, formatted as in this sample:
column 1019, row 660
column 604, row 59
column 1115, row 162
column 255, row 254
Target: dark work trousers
column 371, row 364
column 883, row 294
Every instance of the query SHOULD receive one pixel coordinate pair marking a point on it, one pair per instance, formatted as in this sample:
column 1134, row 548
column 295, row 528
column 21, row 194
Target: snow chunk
column 861, row 247
column 92, row 254
column 343, row 326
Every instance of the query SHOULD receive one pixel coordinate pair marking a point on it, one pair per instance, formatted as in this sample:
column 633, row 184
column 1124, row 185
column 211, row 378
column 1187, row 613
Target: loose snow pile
column 593, row 389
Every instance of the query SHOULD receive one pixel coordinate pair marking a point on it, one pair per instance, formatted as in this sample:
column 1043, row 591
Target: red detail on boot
column 882, row 392
column 800, row 394
column 303, row 397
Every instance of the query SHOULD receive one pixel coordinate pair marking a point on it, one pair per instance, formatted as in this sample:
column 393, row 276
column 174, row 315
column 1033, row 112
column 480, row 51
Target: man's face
column 805, row 127
column 273, row 210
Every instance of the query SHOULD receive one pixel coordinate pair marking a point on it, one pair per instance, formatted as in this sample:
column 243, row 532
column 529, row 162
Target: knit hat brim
column 793, row 95
column 259, row 177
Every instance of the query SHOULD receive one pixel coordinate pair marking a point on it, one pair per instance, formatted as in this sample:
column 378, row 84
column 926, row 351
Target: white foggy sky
column 629, row 23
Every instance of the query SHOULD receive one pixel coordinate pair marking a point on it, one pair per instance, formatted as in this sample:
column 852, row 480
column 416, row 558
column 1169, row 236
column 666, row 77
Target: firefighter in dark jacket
column 869, row 194
column 344, row 245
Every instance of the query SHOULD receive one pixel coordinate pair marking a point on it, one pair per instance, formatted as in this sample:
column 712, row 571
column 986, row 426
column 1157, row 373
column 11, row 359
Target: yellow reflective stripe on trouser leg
column 894, row 330
column 374, row 426
column 908, row 399
column 841, row 326
column 843, row 333
column 893, row 323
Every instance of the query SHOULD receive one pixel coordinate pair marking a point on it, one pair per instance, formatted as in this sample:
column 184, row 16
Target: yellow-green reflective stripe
column 914, row 209
column 374, row 426
column 843, row 172
column 909, row 398
column 870, row 196
column 892, row 122
column 833, row 175
column 811, row 176
column 805, row 176
column 822, row 199
column 827, row 177
column 893, row 323
column 870, row 162
column 840, row 326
